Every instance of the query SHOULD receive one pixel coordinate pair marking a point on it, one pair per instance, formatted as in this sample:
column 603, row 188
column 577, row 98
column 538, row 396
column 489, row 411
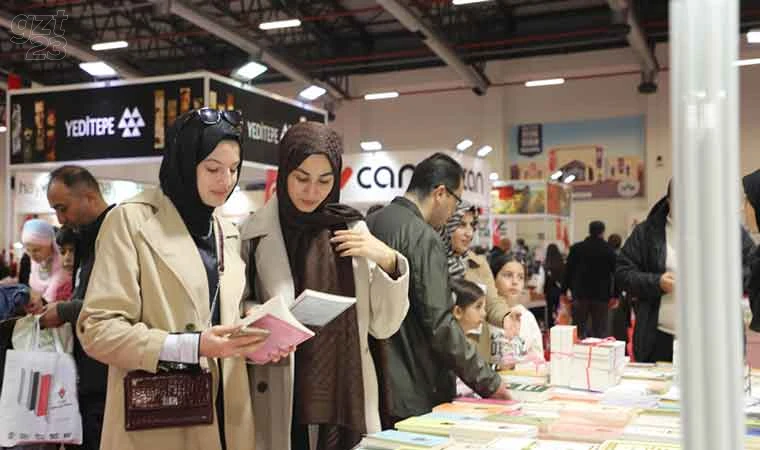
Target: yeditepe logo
column 131, row 122
column 44, row 32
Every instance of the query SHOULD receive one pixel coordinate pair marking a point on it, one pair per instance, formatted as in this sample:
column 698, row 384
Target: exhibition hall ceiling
column 334, row 40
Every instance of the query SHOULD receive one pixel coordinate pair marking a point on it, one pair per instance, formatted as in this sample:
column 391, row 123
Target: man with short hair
column 504, row 247
column 588, row 274
column 75, row 196
column 430, row 347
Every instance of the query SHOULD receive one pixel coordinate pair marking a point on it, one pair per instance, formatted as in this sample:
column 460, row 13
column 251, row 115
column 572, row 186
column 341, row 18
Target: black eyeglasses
column 458, row 198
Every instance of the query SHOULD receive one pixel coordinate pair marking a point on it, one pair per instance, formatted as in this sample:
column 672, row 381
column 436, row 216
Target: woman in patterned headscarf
column 458, row 234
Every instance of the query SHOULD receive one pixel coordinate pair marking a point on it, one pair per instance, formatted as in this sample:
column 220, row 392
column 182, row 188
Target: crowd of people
column 160, row 283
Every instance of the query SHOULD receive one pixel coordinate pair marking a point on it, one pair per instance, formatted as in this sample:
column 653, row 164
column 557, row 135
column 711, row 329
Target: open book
column 288, row 325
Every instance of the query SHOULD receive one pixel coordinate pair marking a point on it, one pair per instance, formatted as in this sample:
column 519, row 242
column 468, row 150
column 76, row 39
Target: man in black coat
column 642, row 272
column 75, row 196
column 751, row 184
column 588, row 275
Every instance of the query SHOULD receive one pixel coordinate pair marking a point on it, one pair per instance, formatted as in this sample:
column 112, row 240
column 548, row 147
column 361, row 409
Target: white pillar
column 704, row 107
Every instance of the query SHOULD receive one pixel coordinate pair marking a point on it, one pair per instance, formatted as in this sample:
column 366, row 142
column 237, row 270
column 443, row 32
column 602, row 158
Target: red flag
column 271, row 184
column 14, row 81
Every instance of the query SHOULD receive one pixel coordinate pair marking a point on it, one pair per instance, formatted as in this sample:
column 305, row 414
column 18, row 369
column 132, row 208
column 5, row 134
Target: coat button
column 262, row 387
column 190, row 327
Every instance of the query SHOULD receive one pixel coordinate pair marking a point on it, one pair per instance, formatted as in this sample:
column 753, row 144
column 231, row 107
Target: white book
column 485, row 432
column 652, row 433
column 533, row 444
column 317, row 309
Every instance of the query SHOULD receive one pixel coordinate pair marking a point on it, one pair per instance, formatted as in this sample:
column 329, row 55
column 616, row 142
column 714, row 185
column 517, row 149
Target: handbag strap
column 220, row 269
column 250, row 267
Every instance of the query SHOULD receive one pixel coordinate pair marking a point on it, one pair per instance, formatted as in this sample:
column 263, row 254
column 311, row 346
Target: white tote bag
column 38, row 403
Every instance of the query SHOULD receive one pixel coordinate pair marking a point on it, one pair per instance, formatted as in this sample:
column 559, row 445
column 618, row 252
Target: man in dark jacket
column 430, row 347
column 642, row 272
column 751, row 184
column 75, row 196
column 588, row 274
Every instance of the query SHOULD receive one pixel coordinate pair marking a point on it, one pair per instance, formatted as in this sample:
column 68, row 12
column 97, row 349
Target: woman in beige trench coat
column 152, row 297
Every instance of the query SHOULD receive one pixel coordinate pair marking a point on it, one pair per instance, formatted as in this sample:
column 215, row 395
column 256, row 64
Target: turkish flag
column 14, row 81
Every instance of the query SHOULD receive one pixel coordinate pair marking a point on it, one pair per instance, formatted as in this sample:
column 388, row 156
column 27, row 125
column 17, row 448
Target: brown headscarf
column 328, row 372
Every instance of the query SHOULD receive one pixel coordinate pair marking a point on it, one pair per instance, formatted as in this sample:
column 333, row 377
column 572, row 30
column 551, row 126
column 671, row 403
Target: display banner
column 266, row 118
column 30, row 192
column 601, row 158
column 378, row 177
column 124, row 121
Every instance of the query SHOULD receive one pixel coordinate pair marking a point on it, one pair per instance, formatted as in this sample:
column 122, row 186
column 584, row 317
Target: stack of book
column 527, row 373
column 564, row 431
column 562, row 339
column 648, row 372
column 475, row 408
column 654, row 425
column 486, row 432
column 628, row 445
column 435, row 424
column 588, row 422
column 396, row 440
column 631, row 395
column 538, row 444
column 597, row 365
column 596, row 415
column 529, row 392
column 486, row 402
column 540, row 420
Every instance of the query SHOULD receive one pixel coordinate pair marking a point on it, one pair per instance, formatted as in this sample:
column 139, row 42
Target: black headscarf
column 190, row 141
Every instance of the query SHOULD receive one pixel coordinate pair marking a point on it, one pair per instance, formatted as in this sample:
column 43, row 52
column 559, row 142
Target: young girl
column 470, row 311
column 66, row 239
column 509, row 273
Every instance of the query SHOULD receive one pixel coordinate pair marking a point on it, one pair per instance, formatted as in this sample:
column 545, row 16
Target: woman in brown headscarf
column 327, row 393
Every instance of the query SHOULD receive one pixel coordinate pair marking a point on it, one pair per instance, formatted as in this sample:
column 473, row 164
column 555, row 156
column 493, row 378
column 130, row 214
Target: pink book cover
column 282, row 335
column 469, row 409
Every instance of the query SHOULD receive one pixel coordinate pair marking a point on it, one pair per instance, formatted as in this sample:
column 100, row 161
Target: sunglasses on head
column 210, row 116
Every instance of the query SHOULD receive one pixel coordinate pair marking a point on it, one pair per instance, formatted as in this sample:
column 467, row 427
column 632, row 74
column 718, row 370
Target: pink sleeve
column 60, row 287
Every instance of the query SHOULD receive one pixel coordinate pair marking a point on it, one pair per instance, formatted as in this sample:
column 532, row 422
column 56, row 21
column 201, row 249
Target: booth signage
column 266, row 118
column 30, row 192
column 378, row 177
column 123, row 121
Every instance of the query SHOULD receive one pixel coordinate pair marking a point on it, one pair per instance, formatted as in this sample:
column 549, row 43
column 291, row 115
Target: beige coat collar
column 167, row 235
